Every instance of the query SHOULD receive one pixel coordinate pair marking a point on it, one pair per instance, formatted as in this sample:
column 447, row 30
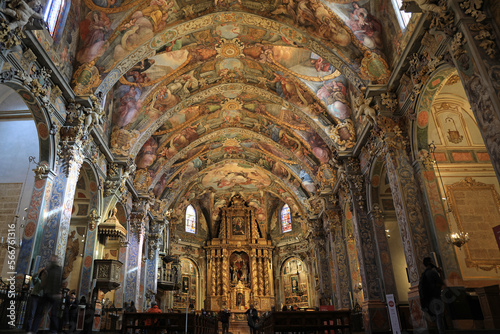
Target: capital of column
column 153, row 243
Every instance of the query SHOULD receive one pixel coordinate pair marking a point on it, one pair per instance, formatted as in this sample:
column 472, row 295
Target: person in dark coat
column 430, row 286
column 224, row 319
column 51, row 300
column 252, row 319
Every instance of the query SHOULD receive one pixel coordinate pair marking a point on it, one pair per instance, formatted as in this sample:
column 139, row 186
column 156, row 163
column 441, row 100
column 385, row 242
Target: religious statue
column 430, row 6
column 234, row 274
column 363, row 106
column 21, row 12
column 244, row 273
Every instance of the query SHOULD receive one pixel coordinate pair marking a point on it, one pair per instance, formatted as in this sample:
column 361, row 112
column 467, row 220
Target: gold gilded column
column 254, row 272
column 214, row 271
column 266, row 273
column 260, row 268
column 225, row 270
column 219, row 274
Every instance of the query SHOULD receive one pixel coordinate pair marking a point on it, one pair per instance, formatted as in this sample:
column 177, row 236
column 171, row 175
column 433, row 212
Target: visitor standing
column 33, row 322
column 252, row 319
column 224, row 319
column 430, row 286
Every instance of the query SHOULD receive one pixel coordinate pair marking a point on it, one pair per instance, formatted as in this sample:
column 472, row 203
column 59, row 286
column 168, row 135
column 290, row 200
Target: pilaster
column 377, row 220
column 374, row 315
column 55, row 230
column 409, row 211
column 342, row 273
column 439, row 226
column 138, row 218
column 37, row 210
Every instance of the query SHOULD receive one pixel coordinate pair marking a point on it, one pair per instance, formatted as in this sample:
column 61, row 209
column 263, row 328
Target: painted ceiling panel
column 222, row 97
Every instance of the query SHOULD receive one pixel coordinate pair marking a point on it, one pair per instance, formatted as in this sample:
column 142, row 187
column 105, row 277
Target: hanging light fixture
column 457, row 239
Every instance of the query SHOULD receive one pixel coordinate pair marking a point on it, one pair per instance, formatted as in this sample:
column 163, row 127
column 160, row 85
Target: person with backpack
column 429, row 288
column 252, row 319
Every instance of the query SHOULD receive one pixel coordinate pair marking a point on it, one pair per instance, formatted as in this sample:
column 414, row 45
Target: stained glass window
column 190, row 219
column 286, row 219
column 52, row 14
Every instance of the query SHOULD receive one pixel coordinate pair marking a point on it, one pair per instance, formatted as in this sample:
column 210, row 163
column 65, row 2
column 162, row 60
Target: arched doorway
column 188, row 295
column 394, row 255
column 24, row 139
column 461, row 180
column 295, row 276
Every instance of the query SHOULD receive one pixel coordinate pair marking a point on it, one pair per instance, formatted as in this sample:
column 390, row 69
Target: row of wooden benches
column 275, row 322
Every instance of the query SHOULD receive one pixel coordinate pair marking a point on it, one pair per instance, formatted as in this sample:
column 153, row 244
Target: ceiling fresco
column 217, row 98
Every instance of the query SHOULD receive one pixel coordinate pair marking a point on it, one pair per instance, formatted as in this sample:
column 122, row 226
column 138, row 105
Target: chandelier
column 457, row 239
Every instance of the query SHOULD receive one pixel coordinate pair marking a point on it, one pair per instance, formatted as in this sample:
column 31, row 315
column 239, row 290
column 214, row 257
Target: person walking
column 252, row 319
column 224, row 319
column 51, row 285
column 72, row 312
column 33, row 322
column 52, row 292
column 429, row 287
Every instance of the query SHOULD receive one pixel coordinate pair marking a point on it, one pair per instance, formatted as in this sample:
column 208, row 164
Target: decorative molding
column 390, row 101
column 333, row 132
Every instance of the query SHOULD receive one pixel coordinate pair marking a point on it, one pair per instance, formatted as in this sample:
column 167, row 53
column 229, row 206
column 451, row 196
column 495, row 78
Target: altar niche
column 239, row 266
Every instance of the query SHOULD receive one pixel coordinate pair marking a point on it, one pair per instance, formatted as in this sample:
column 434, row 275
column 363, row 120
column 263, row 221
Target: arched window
column 190, row 219
column 286, row 219
column 53, row 13
column 403, row 17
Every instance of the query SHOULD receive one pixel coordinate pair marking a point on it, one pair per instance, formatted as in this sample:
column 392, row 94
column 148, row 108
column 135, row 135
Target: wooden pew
column 168, row 322
column 323, row 322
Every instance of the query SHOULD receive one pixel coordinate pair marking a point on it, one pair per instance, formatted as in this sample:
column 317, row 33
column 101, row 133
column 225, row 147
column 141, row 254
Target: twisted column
column 225, row 270
column 266, row 273
column 214, row 272
column 260, row 269
column 219, row 275
column 254, row 272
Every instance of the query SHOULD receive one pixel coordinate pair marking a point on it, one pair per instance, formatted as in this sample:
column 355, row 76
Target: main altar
column 239, row 270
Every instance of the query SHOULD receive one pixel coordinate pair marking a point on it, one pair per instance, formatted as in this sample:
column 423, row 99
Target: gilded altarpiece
column 239, row 270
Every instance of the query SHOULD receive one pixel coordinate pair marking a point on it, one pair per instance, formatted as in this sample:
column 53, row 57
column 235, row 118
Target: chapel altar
column 239, row 270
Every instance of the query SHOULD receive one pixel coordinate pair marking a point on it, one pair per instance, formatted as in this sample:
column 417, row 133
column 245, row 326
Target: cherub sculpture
column 363, row 106
column 21, row 11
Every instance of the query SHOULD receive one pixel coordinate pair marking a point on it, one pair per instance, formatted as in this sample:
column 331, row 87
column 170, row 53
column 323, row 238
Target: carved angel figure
column 20, row 12
column 363, row 106
column 93, row 118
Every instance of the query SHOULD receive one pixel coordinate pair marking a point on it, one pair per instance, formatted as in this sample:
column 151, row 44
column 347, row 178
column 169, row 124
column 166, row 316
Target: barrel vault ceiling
column 217, row 98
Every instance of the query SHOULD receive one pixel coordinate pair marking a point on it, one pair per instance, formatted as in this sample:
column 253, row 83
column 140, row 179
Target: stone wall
column 9, row 198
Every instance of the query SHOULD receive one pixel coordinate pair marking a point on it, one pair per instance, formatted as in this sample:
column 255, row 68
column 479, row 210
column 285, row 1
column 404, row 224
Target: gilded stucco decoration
column 15, row 17
column 343, row 135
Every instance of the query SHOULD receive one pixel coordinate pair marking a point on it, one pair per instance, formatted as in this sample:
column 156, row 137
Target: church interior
column 211, row 154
